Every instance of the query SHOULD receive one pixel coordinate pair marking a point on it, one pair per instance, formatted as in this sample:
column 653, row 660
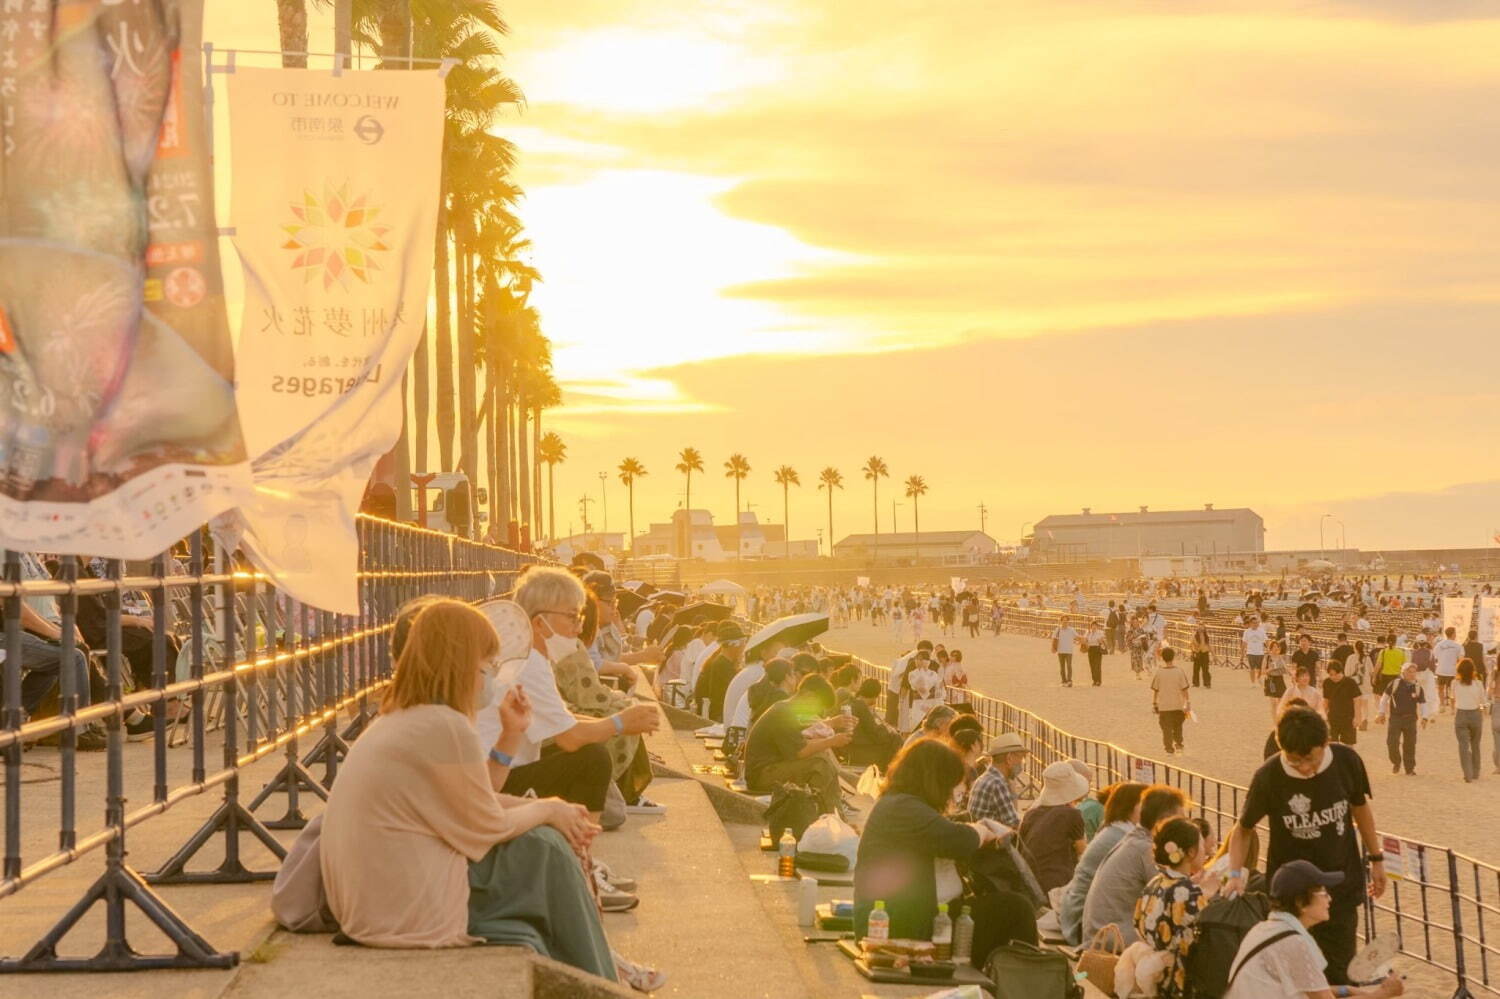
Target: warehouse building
column 1087, row 535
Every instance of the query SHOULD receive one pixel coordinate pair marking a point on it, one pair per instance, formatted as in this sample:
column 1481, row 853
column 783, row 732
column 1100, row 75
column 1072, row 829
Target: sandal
column 638, row 976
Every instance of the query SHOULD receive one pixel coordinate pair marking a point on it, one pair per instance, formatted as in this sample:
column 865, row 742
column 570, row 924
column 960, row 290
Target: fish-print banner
column 118, row 427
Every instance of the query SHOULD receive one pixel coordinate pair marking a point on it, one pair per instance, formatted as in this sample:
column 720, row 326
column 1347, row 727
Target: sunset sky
column 1046, row 253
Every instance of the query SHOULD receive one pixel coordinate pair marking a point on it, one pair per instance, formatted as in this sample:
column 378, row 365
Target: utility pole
column 583, row 507
column 982, row 514
column 604, row 498
column 894, row 504
column 343, row 30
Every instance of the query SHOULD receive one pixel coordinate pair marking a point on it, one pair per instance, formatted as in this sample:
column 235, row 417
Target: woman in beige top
column 418, row 850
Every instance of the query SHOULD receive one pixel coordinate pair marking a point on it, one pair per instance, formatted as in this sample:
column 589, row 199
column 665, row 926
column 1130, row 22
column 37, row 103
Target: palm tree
column 830, row 479
column 916, row 487
column 875, row 469
column 630, row 470
column 291, row 19
column 552, row 452
column 736, row 468
column 689, row 461
column 786, row 477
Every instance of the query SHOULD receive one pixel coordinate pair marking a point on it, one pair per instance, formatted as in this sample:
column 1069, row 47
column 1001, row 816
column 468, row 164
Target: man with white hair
column 574, row 763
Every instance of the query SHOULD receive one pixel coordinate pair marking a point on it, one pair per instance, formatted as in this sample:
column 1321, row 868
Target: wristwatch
column 1375, row 858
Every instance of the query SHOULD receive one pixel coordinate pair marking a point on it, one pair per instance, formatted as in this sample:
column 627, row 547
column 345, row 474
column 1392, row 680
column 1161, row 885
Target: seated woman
column 418, row 850
column 1052, row 831
column 1279, row 959
column 1122, row 813
column 1166, row 912
column 905, row 837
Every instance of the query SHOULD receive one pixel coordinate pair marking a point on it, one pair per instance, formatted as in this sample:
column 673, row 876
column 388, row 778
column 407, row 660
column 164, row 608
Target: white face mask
column 558, row 646
column 489, row 687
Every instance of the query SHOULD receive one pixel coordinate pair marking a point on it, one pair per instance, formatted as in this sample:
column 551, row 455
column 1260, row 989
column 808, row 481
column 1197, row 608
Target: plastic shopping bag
column 869, row 782
column 830, row 835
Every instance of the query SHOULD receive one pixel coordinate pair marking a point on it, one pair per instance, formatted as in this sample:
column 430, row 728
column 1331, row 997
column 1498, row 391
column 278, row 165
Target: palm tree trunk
column 291, row 19
column 513, row 457
column 738, row 544
column 786, row 522
column 523, row 472
column 502, row 456
column 830, row 521
column 551, row 503
column 468, row 370
column 630, row 490
column 486, row 431
column 444, row 345
column 916, row 530
column 536, row 467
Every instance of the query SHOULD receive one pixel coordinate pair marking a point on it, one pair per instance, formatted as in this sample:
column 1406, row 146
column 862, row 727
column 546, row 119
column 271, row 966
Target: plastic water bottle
column 787, row 847
column 942, row 934
column 963, row 936
column 807, row 901
column 880, row 923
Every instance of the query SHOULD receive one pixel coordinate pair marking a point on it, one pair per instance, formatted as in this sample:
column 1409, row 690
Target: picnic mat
column 964, row 974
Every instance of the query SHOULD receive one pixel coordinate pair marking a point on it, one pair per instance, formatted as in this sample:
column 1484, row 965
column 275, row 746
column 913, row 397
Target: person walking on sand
column 1400, row 703
column 1064, row 639
column 1469, row 703
column 1169, row 699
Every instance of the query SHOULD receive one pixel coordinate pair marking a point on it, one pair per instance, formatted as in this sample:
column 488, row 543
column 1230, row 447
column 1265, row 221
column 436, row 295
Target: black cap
column 924, row 646
column 1296, row 876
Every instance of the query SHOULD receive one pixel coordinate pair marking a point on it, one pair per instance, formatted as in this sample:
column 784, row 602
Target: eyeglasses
column 576, row 617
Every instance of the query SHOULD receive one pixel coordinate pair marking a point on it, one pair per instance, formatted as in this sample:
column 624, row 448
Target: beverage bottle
column 963, row 936
column 787, row 847
column 880, row 923
column 807, row 901
column 942, row 934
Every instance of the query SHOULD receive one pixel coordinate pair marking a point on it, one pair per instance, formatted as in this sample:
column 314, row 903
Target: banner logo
column 369, row 130
column 335, row 237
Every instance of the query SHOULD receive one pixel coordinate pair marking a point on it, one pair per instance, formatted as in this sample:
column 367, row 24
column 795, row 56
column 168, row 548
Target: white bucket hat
column 1062, row 785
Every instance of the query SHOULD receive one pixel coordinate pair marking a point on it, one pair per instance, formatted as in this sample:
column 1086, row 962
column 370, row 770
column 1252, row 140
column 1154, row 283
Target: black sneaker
column 91, row 740
column 139, row 726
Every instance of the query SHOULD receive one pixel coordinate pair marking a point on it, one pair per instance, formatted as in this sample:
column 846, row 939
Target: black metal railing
column 258, row 674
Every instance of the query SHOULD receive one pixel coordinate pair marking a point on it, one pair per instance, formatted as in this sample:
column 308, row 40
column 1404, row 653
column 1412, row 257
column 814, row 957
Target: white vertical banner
column 1489, row 620
column 335, row 197
column 1458, row 614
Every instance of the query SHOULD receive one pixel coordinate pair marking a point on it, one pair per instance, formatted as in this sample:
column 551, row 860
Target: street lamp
column 1341, row 532
column 1326, row 516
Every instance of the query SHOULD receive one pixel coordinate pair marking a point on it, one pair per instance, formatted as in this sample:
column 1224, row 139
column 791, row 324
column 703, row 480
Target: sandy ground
column 1436, row 806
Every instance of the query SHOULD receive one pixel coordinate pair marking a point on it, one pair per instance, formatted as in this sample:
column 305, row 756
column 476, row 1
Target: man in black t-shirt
column 1306, row 657
column 1315, row 796
column 779, row 751
column 1339, row 695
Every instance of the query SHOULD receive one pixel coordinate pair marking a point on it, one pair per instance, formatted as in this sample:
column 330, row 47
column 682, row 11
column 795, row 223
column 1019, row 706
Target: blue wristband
column 504, row 759
column 619, row 724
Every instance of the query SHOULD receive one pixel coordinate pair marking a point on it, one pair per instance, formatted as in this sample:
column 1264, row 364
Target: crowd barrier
column 1441, row 905
column 258, row 674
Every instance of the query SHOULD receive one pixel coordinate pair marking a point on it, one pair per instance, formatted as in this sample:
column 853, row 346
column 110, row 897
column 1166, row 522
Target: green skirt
column 532, row 892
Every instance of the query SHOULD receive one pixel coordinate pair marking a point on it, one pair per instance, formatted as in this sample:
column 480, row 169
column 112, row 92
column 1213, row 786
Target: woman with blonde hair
column 417, row 849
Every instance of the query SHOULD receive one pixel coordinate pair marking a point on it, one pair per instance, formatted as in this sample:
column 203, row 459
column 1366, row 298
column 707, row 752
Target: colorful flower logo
column 336, row 237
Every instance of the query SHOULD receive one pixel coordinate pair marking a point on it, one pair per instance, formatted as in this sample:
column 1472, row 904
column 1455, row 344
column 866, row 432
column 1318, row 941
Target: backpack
column 1221, row 928
column 794, row 807
column 1021, row 970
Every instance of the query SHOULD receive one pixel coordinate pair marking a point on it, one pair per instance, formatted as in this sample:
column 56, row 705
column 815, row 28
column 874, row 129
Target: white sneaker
column 604, row 876
column 638, row 976
column 645, row 806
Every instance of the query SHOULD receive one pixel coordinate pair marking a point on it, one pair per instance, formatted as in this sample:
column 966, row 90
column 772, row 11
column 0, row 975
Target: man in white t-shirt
column 1253, row 645
column 1446, row 652
column 576, row 766
column 1064, row 640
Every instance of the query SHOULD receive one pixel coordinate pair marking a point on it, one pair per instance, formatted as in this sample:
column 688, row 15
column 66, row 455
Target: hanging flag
column 118, row 431
column 1489, row 620
column 1458, row 614
column 335, row 198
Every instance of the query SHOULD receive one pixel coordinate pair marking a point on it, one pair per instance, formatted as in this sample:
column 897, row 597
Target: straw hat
column 1062, row 785
column 1007, row 742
